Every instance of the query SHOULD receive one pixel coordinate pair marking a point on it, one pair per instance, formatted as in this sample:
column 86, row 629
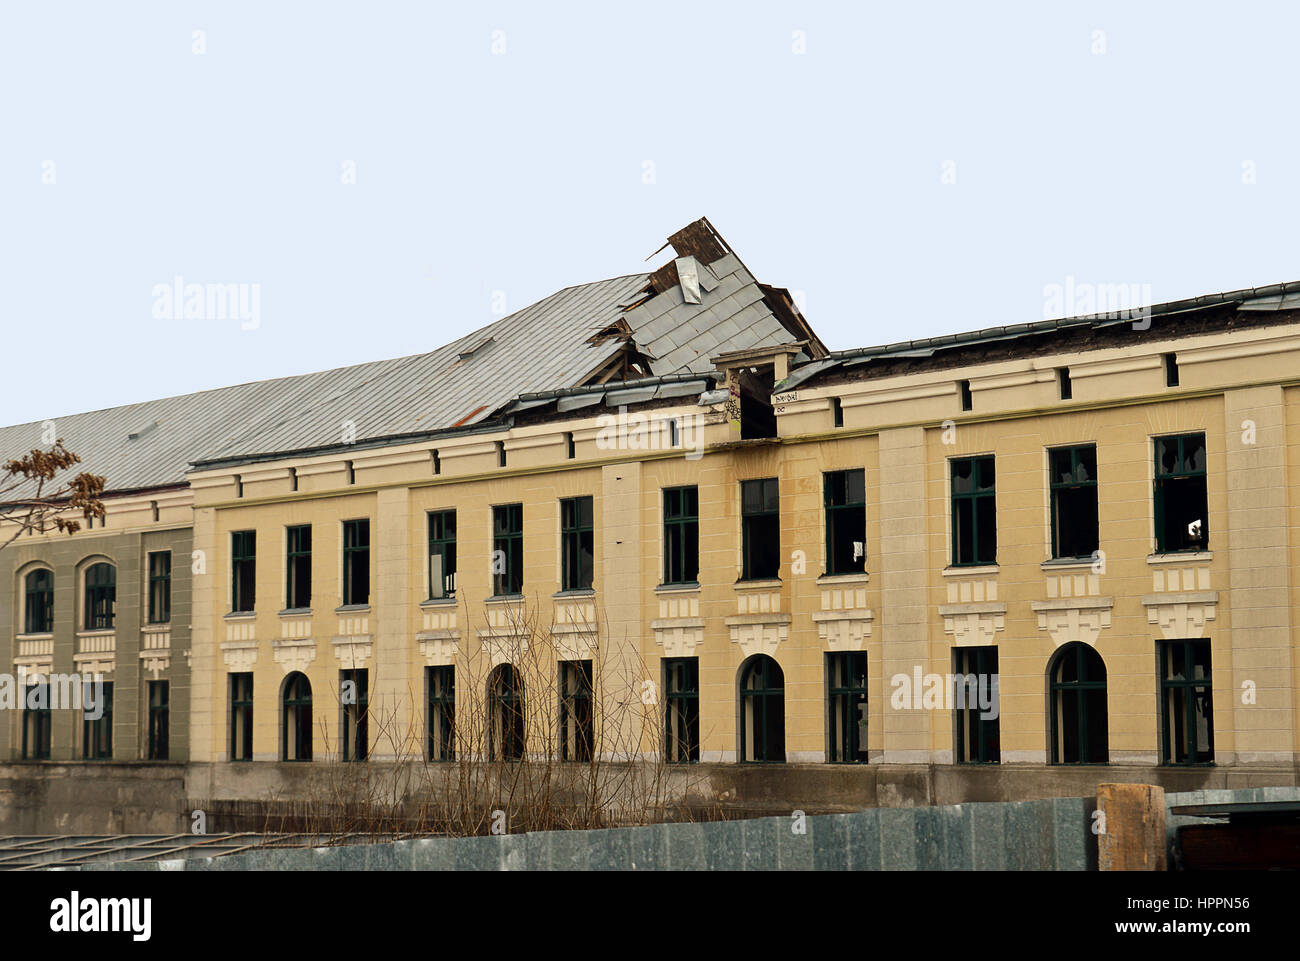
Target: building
column 1003, row 564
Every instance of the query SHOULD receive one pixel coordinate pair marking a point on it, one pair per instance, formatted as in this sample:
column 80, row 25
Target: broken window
column 241, row 717
column 681, row 535
column 846, row 694
column 576, row 730
column 1187, row 709
column 508, row 549
column 442, row 554
column 356, row 562
column 298, row 568
column 975, row 706
column 1181, row 502
column 845, row 496
column 354, row 702
column 505, row 715
column 682, row 709
column 762, row 710
column 757, row 419
column 1077, row 684
column 1073, row 487
column 974, row 512
column 760, row 520
column 97, row 732
column 577, row 544
column 441, row 719
column 295, row 726
column 243, row 571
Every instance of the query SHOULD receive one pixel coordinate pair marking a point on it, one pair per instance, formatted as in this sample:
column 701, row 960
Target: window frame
column 101, row 593
column 681, row 709
column 574, row 536
column 159, row 581
column 679, row 521
column 1054, row 485
column 243, row 555
column 45, row 604
column 444, row 704
column 37, row 723
column 974, row 496
column 291, row 697
column 354, row 739
column 1191, row 687
column 355, row 552
column 294, row 555
column 851, row 746
column 506, row 697
column 762, row 698
column 749, row 519
column 1159, row 491
column 241, row 706
column 509, row 582
column 832, row 510
column 982, row 751
column 158, row 733
column 577, row 704
column 1079, row 688
column 441, row 546
column 97, row 733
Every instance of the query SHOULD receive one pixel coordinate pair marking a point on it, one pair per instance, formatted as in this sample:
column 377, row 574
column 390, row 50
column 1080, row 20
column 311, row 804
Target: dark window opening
column 837, row 412
column 569, row 446
column 243, row 571
column 298, row 568
column 760, row 520
column 1181, row 497
column 437, row 461
column 101, row 597
column 1063, row 381
column 1187, row 706
column 159, row 695
column 508, row 549
column 356, row 562
column 975, row 706
column 293, row 478
column 1073, row 489
column 757, row 418
column 36, row 721
column 846, row 697
column 351, row 471
column 505, row 714
column 239, row 486
column 1077, row 683
column 160, row 587
column 681, row 535
column 762, row 710
column 442, row 554
column 501, row 453
column 967, row 401
column 974, row 511
column 97, row 732
column 354, row 705
column 577, row 732
column 1171, row 370
column 295, row 730
column 577, row 544
column 845, row 497
column 682, row 709
column 441, row 720
column 39, row 610
column 241, row 717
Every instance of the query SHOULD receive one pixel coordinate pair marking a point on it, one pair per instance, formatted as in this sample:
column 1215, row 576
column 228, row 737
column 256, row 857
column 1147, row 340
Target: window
column 442, row 554
column 1077, row 684
column 351, row 471
column 681, row 535
column 36, row 721
column 501, row 453
column 576, row 731
column 354, row 701
column 967, row 401
column 976, row 710
column 762, row 710
column 1187, row 709
column 1073, row 491
column 974, row 517
column 97, row 723
column 295, row 733
column 837, row 412
column 1171, row 370
column 846, row 521
column 160, row 587
column 508, row 549
column 39, row 610
column 577, row 544
column 243, row 571
column 846, row 691
column 298, row 568
column 101, row 597
column 437, row 461
column 356, row 562
column 293, row 478
column 1063, row 382
column 159, row 695
column 441, row 684
column 569, row 446
column 239, row 486
column 682, row 709
column 505, row 714
column 1181, row 500
column 241, row 717
column 760, row 522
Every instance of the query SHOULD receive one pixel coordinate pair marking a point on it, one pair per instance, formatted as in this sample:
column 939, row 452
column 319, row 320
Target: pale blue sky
column 524, row 171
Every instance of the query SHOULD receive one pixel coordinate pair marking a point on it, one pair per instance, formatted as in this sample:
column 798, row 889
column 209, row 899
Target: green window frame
column 508, row 550
column 762, row 711
column 354, row 708
column 241, row 716
column 681, row 535
column 974, row 511
column 243, row 571
column 36, row 721
column 356, row 562
column 101, row 597
column 97, row 733
column 505, row 714
column 1186, row 702
column 978, row 738
column 760, row 526
column 160, row 587
column 1077, row 706
column 681, row 684
column 846, row 700
column 844, row 496
column 440, row 686
column 297, row 588
column 38, row 615
column 577, row 730
column 158, row 694
column 295, row 728
column 442, row 546
column 577, row 543
column 1181, row 496
column 1072, row 484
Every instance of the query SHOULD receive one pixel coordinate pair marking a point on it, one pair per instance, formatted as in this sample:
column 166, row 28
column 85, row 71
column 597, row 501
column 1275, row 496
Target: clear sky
column 391, row 174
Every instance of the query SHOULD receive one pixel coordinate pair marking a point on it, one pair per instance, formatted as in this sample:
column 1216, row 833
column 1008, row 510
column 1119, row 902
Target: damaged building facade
column 656, row 517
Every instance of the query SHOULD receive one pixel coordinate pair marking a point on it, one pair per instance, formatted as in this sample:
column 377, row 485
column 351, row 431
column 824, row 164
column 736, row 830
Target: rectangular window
column 508, row 549
column 1063, row 382
column 570, row 447
column 846, row 694
column 354, row 704
column 160, row 587
column 101, row 597
column 39, row 617
column 298, row 569
column 975, row 705
column 441, row 684
column 241, row 717
column 356, row 562
column 36, row 722
column 501, row 453
column 1181, row 499
column 967, row 401
column 760, row 524
column 681, row 535
column 97, row 732
column 974, row 513
column 577, row 544
column 442, row 554
column 1171, row 370
column 845, row 496
column 159, row 693
column 576, row 729
column 1187, row 709
column 243, row 571
column 1073, row 490
column 837, row 412
column 682, row 709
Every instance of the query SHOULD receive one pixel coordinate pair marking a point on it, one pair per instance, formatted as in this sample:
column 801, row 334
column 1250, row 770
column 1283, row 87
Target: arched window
column 39, row 618
column 1077, row 684
column 505, row 714
column 762, row 710
column 295, row 737
column 101, row 597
